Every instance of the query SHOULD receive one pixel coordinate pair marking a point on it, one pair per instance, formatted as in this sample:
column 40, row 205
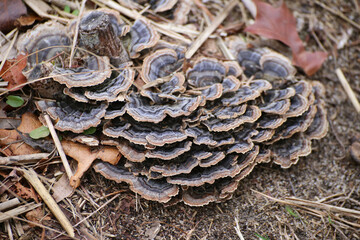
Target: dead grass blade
column 210, row 29
column 33, row 179
column 17, row 211
column 135, row 15
column 348, row 89
column 9, row 204
column 21, row 159
column 320, row 209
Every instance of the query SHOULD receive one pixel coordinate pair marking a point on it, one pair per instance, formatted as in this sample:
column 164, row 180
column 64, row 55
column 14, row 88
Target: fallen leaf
column 25, row 192
column 14, row 101
column 89, row 131
column 62, row 189
column 12, row 72
column 28, row 123
column 10, row 10
column 40, row 132
column 37, row 216
column 4, row 49
column 12, row 181
column 310, row 61
column 280, row 24
column 85, row 155
column 27, row 20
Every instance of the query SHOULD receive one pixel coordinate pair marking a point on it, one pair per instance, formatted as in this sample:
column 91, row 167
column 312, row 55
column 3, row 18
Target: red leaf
column 10, row 10
column 310, row 61
column 12, row 72
column 280, row 24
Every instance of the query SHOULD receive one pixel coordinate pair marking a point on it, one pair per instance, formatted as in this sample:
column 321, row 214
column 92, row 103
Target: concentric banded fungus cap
column 184, row 135
column 144, row 134
column 275, row 64
column 73, row 116
column 163, row 5
column 179, row 49
column 155, row 190
column 44, row 42
column 96, row 70
column 142, row 36
column 159, row 64
column 287, row 152
column 110, row 90
column 142, row 110
column 206, row 71
column 259, row 61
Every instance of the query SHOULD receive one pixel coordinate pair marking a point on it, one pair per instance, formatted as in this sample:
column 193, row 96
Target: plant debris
column 279, row 23
column 325, row 176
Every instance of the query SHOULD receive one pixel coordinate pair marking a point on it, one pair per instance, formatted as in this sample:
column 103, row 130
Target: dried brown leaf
column 85, row 155
column 12, row 72
column 62, row 189
column 10, row 10
column 27, row 20
column 280, row 24
column 37, row 216
column 29, row 122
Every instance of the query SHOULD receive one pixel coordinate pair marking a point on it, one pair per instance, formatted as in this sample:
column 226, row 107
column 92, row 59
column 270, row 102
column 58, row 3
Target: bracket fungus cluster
column 185, row 134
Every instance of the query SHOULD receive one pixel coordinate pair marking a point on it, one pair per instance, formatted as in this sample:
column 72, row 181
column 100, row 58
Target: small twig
column 19, row 228
column 76, row 31
column 58, row 146
column 250, row 5
column 210, row 29
column 237, row 229
column 63, row 13
column 21, row 158
column 348, row 89
column 224, row 49
column 9, row 204
column 329, row 197
column 9, row 231
column 8, row 50
column 339, row 14
column 6, row 38
column 63, row 3
column 17, row 211
column 104, row 205
column 31, row 176
column 39, row 6
column 135, row 15
column 39, row 225
column 327, row 207
column 4, row 84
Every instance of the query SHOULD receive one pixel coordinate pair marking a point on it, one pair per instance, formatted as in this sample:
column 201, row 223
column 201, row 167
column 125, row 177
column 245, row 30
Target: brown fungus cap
column 159, row 64
column 142, row 36
column 159, row 191
column 95, row 71
column 187, row 132
column 73, row 116
column 163, row 5
column 44, row 42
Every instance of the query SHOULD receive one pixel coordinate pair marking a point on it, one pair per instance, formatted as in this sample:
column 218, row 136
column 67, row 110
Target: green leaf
column 261, row 237
column 14, row 101
column 75, row 12
column 291, row 212
column 40, row 132
column 329, row 219
column 67, row 9
column 89, row 131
